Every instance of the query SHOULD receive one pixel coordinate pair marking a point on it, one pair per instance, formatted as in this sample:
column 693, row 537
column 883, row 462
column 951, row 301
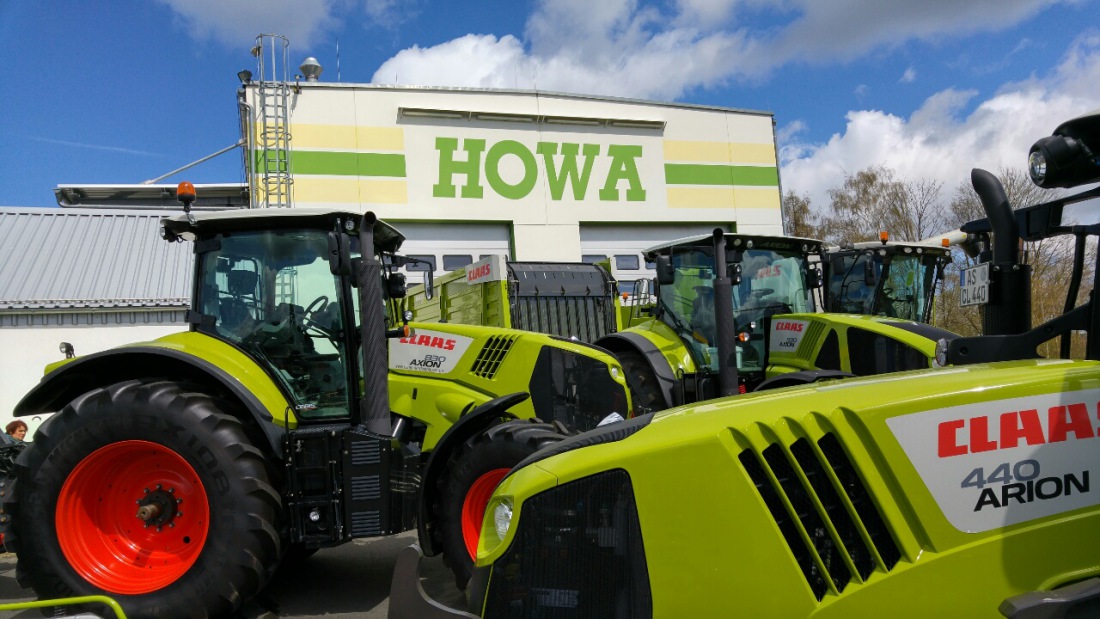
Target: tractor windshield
column 886, row 282
column 772, row 282
column 272, row 294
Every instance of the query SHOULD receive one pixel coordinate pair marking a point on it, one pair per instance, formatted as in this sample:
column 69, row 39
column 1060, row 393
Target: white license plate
column 974, row 285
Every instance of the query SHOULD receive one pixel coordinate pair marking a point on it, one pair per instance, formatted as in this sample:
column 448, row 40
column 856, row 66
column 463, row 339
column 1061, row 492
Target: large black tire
column 471, row 474
column 125, row 456
column 645, row 392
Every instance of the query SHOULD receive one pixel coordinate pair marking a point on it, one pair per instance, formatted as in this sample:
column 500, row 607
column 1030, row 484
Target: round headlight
column 1037, row 166
column 941, row 354
column 502, row 518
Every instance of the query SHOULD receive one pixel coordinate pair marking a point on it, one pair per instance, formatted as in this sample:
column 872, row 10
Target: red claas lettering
column 480, row 271
column 958, row 437
column 429, row 341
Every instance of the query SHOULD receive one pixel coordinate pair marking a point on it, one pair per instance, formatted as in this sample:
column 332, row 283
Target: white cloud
column 632, row 48
column 908, row 77
column 236, row 23
column 935, row 142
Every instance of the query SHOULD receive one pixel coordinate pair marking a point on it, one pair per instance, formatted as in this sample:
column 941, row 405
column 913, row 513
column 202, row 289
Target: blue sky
column 124, row 91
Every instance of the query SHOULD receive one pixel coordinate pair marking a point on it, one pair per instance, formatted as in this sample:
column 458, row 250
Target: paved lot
column 351, row 581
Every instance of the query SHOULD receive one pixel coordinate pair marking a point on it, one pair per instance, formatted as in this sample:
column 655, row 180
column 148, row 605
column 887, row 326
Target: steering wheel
column 760, row 293
column 308, row 322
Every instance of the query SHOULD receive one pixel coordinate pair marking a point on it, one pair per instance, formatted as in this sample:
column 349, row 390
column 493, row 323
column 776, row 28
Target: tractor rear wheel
column 473, row 472
column 149, row 493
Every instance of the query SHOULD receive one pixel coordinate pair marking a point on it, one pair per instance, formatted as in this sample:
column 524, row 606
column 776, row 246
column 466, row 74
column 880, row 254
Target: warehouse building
column 463, row 173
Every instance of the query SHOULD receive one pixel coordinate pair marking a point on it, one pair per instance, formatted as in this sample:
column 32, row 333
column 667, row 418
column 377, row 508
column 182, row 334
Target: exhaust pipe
column 374, row 406
column 1009, row 309
column 723, row 318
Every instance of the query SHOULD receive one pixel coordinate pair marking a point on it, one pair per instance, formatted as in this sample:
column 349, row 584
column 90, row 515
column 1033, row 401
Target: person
column 17, row 430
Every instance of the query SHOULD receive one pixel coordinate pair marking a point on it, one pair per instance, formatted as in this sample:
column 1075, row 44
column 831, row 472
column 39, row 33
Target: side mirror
column 353, row 277
column 429, row 283
column 870, row 278
column 339, row 254
column 814, row 278
column 395, row 285
column 735, row 274
column 665, row 273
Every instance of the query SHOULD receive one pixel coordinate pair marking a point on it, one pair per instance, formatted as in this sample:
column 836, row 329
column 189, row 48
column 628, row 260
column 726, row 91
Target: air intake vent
column 492, row 355
column 825, row 518
column 809, row 341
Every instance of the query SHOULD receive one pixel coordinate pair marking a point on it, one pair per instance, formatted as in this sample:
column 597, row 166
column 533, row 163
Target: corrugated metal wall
column 77, row 261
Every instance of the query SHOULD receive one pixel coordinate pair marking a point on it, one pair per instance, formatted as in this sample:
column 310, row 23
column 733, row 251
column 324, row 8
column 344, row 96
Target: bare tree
column 873, row 200
column 798, row 216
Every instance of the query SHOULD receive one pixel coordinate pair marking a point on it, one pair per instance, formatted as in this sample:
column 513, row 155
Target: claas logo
column 958, row 437
column 429, row 341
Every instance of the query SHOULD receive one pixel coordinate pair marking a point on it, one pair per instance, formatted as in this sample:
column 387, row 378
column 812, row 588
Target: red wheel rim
column 473, row 508
column 98, row 524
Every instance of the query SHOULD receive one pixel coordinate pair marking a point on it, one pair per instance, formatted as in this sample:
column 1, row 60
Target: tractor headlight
column 502, row 517
column 1064, row 160
column 941, row 354
column 497, row 523
column 1037, row 166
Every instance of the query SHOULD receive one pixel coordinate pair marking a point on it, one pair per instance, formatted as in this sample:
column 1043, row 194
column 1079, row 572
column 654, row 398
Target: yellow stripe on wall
column 723, row 197
column 345, row 137
column 719, row 152
column 336, row 190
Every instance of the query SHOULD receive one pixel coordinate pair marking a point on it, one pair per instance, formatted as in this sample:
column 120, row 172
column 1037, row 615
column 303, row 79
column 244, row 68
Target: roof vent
column 311, row 69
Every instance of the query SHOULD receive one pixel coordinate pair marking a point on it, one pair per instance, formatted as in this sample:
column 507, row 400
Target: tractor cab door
column 272, row 294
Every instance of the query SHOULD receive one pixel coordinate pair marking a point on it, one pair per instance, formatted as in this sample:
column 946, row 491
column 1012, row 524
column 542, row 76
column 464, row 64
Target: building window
column 452, row 262
column 626, row 262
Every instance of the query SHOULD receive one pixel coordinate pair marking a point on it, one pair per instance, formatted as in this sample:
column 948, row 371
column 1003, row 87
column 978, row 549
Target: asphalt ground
column 349, row 581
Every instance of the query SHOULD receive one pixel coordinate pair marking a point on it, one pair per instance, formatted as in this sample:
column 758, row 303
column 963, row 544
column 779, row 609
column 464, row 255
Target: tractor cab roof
column 893, row 247
column 740, row 241
column 196, row 224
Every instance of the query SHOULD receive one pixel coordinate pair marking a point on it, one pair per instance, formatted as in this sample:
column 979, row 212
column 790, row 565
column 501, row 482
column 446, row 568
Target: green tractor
column 961, row 491
column 293, row 415
column 736, row 313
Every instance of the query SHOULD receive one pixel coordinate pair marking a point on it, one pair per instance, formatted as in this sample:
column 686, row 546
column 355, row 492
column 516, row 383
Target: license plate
column 974, row 285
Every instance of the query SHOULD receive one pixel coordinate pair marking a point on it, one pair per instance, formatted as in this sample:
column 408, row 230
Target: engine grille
column 492, row 355
column 569, row 539
column 824, row 512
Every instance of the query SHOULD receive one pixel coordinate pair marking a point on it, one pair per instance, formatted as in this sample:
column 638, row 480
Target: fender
column 83, row 374
column 626, row 341
column 467, row 426
column 803, row 377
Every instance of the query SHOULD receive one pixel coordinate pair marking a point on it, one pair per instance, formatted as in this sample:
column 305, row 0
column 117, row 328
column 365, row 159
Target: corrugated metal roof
column 69, row 259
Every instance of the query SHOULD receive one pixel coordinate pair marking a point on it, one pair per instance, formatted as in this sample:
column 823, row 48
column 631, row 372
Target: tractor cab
column 886, row 278
column 281, row 289
column 767, row 276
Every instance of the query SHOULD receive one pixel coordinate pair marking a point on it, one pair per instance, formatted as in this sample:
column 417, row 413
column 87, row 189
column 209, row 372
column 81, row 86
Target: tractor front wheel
column 645, row 392
column 472, row 473
column 149, row 493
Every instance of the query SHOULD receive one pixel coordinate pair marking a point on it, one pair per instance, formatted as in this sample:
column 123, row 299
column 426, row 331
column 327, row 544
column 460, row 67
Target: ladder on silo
column 270, row 144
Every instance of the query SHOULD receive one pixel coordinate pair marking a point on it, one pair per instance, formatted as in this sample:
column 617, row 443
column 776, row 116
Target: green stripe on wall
column 726, row 175
column 343, row 164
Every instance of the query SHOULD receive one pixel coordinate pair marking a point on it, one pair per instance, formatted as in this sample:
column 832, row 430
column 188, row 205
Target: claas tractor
column 291, row 416
column 960, row 491
column 736, row 313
